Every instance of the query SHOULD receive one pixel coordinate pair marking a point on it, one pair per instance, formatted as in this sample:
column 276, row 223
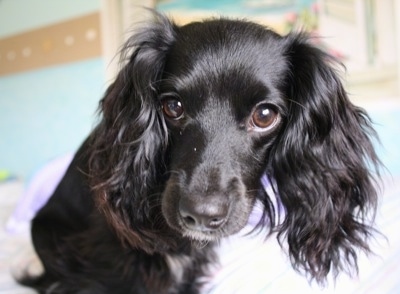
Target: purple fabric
column 257, row 212
column 38, row 192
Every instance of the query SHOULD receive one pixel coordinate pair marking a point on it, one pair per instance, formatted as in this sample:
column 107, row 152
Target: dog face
column 223, row 108
column 199, row 113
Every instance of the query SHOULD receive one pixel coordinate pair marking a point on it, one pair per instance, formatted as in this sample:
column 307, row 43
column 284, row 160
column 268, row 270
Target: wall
column 45, row 112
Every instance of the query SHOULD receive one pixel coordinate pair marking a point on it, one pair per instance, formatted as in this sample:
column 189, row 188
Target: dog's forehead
column 216, row 45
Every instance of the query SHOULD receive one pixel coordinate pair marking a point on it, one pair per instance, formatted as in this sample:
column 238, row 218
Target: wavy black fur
column 148, row 196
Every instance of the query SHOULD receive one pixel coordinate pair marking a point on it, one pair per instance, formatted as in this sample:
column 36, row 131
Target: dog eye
column 263, row 118
column 172, row 108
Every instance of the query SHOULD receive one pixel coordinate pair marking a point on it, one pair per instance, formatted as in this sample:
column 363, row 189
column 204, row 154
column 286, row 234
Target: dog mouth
column 202, row 235
column 201, row 239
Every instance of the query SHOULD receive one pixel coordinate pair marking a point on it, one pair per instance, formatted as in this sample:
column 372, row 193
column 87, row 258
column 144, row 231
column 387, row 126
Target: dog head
column 199, row 113
column 222, row 103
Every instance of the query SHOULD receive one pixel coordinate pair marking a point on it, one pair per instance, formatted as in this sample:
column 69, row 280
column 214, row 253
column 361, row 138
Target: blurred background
column 57, row 58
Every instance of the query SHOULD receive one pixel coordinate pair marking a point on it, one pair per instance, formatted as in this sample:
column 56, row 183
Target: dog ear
column 324, row 165
column 129, row 143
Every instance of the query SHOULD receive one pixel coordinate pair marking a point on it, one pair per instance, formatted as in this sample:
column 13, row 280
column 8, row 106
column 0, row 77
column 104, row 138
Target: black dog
column 197, row 115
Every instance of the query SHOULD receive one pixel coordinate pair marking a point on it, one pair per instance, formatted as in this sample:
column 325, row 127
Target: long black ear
column 128, row 145
column 324, row 166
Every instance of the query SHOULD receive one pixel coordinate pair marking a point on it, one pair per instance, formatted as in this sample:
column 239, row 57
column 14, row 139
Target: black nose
column 203, row 216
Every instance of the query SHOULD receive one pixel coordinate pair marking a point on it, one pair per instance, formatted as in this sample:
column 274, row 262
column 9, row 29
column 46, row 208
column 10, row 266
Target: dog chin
column 201, row 239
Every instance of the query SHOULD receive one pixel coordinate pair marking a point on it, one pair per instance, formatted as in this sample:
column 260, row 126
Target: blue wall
column 48, row 112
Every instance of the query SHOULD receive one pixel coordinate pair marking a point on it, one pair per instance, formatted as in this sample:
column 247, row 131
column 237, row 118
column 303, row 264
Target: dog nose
column 207, row 216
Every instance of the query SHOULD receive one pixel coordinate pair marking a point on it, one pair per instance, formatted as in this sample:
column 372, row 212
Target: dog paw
column 27, row 263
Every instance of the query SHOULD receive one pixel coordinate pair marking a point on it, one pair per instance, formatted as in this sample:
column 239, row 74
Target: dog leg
column 27, row 263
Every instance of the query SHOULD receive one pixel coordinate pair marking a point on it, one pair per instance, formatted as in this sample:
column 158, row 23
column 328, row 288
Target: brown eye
column 264, row 117
column 172, row 108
